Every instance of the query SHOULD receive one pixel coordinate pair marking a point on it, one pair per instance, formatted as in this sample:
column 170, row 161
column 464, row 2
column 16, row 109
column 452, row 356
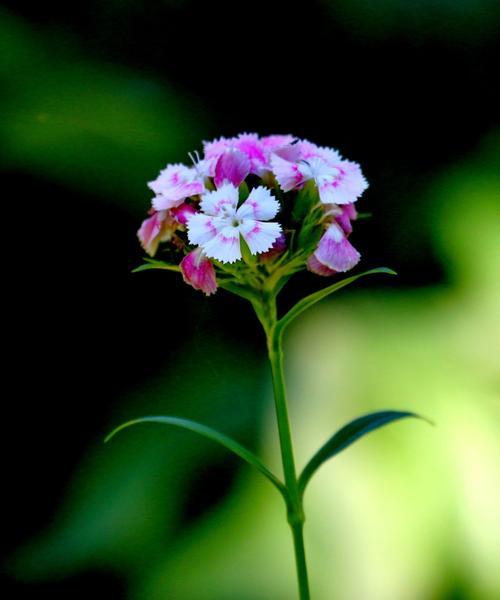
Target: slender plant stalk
column 267, row 315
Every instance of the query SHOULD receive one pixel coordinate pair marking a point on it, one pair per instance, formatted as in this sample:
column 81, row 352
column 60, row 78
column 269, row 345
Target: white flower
column 217, row 229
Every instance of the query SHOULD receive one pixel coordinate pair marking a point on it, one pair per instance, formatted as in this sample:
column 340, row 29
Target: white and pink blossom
column 218, row 228
column 176, row 183
column 338, row 181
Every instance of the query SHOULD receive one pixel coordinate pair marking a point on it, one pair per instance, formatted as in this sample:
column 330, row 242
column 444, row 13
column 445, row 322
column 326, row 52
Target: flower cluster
column 253, row 207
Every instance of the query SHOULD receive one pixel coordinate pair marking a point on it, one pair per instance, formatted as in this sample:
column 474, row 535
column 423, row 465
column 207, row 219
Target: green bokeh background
column 409, row 513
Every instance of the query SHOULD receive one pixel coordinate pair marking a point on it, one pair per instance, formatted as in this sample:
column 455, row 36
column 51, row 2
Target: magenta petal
column 232, row 166
column 198, row 271
column 335, row 251
column 276, row 249
column 183, row 212
column 157, row 228
column 315, row 266
column 347, row 215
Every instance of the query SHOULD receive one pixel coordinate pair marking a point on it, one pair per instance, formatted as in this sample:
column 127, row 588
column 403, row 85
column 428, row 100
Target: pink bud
column 198, row 271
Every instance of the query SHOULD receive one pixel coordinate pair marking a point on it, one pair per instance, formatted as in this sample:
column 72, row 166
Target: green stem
column 266, row 311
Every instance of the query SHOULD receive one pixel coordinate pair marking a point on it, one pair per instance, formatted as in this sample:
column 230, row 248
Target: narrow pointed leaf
column 211, row 434
column 347, row 435
column 155, row 264
column 310, row 300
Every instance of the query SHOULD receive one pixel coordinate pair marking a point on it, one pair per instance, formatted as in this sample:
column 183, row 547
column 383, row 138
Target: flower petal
column 183, row 212
column 225, row 246
column 250, row 144
column 276, row 249
column 221, row 201
column 276, row 141
column 346, row 188
column 318, row 268
column 159, row 227
column 175, row 184
column 348, row 214
column 260, row 205
column 287, row 173
column 258, row 235
column 232, row 166
column 201, row 228
column 199, row 272
column 169, row 177
column 216, row 147
column 335, row 251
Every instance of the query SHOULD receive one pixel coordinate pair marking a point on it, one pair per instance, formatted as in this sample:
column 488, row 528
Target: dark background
column 406, row 94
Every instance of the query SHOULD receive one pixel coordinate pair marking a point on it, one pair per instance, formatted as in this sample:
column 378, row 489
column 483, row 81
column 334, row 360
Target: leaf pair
column 343, row 438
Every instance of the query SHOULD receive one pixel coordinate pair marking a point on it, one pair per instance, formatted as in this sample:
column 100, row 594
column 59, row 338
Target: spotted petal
column 346, row 187
column 201, row 228
column 225, row 246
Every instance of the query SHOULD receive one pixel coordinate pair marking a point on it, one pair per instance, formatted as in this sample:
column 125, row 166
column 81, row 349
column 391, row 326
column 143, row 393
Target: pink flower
column 218, row 228
column 175, row 184
column 159, row 227
column 339, row 181
column 199, row 272
column 335, row 251
column 232, row 166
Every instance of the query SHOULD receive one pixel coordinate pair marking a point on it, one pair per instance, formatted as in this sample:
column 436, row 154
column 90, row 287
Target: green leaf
column 156, row 264
column 347, row 435
column 310, row 300
column 246, row 254
column 307, row 199
column 211, row 434
column 243, row 192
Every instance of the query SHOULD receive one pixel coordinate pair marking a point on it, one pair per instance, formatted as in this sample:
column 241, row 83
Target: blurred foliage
column 426, row 500
column 100, row 127
column 129, row 497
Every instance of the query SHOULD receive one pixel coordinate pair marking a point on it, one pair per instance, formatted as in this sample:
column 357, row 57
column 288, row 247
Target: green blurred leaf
column 211, row 434
column 310, row 300
column 94, row 126
column 156, row 264
column 347, row 435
